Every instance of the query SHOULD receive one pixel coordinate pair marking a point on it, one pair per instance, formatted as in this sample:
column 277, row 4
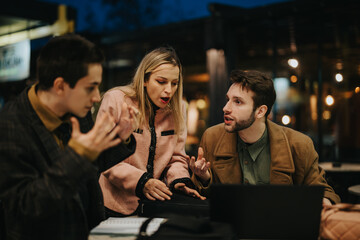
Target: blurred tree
column 119, row 16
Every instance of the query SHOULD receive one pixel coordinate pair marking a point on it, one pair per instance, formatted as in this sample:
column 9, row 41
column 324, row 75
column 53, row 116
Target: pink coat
column 118, row 184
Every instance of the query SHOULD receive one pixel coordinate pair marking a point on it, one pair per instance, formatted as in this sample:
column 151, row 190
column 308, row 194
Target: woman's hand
column 188, row 191
column 155, row 189
column 326, row 202
column 128, row 121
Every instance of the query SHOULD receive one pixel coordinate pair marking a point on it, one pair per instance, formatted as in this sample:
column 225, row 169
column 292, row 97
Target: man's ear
column 261, row 111
column 59, row 85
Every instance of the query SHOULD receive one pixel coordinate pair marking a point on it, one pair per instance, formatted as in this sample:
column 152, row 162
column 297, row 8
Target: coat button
column 149, row 167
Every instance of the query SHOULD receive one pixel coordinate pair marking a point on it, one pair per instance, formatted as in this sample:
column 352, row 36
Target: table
column 341, row 178
column 344, row 167
column 355, row 190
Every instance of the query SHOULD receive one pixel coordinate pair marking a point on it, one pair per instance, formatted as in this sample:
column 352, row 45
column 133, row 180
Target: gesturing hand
column 189, row 191
column 100, row 137
column 128, row 122
column 200, row 167
column 326, row 202
column 156, row 189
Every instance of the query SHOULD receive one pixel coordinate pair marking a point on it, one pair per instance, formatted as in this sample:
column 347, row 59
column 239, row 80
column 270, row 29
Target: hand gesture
column 156, row 189
column 100, row 137
column 200, row 167
column 188, row 191
column 128, row 122
column 326, row 202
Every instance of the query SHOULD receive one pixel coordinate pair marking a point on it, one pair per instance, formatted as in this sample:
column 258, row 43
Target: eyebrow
column 236, row 98
column 94, row 83
column 164, row 78
column 161, row 77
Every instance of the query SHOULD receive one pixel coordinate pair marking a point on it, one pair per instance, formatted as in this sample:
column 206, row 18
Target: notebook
column 268, row 211
column 126, row 226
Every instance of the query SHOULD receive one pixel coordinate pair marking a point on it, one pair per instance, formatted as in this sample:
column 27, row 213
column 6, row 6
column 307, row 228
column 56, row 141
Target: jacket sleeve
column 314, row 174
column 116, row 154
column 112, row 102
column 122, row 175
column 177, row 168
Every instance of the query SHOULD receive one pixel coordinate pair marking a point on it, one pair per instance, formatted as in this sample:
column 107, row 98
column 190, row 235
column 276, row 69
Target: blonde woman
column 159, row 163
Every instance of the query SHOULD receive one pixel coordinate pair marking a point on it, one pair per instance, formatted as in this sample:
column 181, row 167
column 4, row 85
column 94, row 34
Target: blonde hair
column 152, row 60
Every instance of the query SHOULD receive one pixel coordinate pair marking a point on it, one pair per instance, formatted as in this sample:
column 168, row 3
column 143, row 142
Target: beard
column 241, row 125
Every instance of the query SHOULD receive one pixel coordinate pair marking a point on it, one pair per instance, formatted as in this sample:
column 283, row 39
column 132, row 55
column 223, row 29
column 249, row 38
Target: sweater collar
column 47, row 117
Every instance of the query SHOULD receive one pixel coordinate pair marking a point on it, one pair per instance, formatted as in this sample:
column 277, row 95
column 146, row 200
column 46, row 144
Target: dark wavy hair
column 259, row 83
column 67, row 56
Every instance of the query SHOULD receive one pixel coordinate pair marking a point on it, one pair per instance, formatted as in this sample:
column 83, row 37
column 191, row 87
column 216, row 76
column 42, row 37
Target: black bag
column 188, row 228
column 179, row 204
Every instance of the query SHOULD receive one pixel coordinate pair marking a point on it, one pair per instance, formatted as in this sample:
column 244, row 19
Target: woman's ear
column 261, row 111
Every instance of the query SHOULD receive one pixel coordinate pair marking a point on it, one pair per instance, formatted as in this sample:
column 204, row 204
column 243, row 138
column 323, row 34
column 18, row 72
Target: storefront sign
column 15, row 61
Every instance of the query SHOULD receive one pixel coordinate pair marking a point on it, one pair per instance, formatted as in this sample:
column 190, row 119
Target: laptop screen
column 268, row 211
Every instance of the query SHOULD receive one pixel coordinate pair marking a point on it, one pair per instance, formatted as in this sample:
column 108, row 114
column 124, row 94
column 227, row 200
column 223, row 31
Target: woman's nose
column 168, row 88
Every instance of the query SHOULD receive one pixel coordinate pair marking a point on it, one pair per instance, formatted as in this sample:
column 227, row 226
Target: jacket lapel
column 226, row 163
column 282, row 164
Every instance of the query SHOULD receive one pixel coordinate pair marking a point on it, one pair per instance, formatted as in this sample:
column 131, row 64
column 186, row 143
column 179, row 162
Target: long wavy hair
column 152, row 60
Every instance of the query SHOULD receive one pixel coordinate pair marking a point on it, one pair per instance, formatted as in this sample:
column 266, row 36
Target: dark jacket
column 47, row 192
column 293, row 159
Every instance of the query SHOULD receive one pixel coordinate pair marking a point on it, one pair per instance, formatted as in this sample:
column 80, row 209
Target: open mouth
column 227, row 119
column 165, row 99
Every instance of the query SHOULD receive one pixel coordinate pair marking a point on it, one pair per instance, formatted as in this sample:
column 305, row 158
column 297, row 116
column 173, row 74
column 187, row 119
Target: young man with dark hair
column 248, row 148
column 49, row 146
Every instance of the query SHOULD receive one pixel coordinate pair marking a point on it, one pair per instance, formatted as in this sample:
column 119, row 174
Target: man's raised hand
column 101, row 137
column 200, row 167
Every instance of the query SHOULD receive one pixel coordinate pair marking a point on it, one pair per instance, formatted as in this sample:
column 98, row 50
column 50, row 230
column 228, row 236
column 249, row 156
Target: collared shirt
column 255, row 160
column 52, row 122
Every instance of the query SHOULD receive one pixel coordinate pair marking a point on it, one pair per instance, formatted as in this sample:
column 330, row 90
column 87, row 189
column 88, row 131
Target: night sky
column 99, row 16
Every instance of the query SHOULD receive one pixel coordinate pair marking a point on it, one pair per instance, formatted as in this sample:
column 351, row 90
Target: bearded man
column 248, row 148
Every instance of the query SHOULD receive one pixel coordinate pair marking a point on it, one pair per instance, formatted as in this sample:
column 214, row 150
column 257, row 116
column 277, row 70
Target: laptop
column 268, row 211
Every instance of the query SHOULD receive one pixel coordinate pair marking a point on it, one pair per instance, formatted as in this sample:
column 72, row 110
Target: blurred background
column 311, row 49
